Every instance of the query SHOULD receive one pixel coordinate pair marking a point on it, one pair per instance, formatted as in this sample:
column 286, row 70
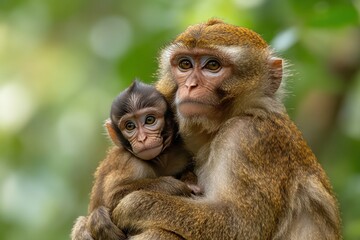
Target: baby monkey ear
column 111, row 132
column 276, row 74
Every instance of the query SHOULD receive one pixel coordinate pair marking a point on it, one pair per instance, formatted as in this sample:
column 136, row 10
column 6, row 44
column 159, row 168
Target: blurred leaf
column 352, row 230
column 141, row 60
column 326, row 14
column 334, row 17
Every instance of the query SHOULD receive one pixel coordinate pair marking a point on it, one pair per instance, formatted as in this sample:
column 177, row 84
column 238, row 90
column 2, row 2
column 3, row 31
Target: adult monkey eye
column 150, row 119
column 185, row 64
column 213, row 65
column 130, row 126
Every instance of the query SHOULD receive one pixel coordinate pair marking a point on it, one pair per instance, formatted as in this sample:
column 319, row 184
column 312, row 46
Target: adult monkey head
column 214, row 71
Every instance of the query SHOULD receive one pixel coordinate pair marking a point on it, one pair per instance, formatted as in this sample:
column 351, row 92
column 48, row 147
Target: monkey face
column 198, row 75
column 143, row 130
column 141, row 121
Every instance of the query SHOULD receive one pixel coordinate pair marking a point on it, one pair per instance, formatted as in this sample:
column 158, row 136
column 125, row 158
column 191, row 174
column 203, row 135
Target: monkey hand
column 80, row 231
column 190, row 179
column 173, row 186
column 134, row 209
column 195, row 189
column 141, row 211
column 101, row 226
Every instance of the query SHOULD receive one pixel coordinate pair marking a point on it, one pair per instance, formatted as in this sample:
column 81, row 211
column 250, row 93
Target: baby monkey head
column 141, row 121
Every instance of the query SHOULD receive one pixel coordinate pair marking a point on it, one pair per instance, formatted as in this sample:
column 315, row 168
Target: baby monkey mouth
column 149, row 153
column 151, row 148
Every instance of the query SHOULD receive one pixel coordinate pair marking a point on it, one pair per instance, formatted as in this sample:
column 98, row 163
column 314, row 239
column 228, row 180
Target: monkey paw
column 102, row 227
column 79, row 231
column 176, row 187
column 136, row 207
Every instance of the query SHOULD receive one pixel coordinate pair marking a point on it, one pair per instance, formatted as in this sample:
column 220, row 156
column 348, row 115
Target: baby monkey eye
column 150, row 119
column 130, row 126
column 185, row 64
column 213, row 65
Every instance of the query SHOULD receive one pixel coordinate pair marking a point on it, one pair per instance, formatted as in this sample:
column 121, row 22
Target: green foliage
column 62, row 63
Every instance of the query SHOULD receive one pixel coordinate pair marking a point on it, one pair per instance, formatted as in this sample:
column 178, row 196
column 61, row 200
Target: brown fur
column 121, row 173
column 215, row 33
column 260, row 179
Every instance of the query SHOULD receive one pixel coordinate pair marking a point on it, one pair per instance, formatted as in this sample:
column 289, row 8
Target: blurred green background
column 62, row 63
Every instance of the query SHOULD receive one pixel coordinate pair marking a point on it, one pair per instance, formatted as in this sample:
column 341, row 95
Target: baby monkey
column 148, row 155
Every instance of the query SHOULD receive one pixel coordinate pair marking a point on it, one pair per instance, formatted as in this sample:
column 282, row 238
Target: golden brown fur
column 124, row 171
column 121, row 173
column 260, row 179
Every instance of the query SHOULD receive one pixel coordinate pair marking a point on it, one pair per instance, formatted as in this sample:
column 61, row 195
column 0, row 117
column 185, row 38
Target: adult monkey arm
column 259, row 177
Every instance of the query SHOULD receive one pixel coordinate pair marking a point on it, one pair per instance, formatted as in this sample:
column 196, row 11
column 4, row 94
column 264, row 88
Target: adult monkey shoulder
column 260, row 179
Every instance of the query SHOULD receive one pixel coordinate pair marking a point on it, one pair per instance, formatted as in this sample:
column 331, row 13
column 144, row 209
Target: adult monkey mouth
column 190, row 108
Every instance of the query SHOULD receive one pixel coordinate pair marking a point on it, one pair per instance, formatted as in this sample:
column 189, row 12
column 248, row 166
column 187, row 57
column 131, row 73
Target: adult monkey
column 259, row 177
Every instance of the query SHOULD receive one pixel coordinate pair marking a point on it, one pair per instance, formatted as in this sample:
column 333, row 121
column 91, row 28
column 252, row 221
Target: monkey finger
column 177, row 187
column 195, row 189
column 156, row 234
column 80, row 231
column 102, row 227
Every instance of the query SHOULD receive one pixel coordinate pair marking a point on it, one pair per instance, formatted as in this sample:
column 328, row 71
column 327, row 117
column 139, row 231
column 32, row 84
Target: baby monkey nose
column 191, row 85
column 142, row 137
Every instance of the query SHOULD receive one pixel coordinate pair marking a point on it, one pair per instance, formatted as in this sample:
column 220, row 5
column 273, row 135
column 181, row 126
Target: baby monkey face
column 143, row 130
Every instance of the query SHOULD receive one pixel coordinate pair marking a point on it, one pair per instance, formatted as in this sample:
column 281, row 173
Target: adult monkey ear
column 276, row 73
column 111, row 132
